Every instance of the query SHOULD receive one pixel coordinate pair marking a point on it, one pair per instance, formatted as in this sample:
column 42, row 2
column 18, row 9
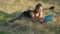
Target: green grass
column 2, row 32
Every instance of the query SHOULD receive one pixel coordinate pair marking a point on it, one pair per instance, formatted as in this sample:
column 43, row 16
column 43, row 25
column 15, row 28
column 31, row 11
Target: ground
column 10, row 9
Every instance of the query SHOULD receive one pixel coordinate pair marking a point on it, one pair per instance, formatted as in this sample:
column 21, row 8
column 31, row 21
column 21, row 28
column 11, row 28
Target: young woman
column 37, row 13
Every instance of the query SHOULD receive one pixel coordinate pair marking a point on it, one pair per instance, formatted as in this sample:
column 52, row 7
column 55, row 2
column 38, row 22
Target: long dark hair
column 37, row 7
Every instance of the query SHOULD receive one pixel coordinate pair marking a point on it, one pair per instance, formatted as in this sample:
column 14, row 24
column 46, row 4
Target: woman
column 37, row 13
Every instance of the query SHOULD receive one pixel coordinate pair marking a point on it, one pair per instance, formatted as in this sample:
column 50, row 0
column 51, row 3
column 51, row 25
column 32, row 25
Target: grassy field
column 10, row 9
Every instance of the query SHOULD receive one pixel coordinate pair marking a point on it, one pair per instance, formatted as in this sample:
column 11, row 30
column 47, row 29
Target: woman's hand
column 40, row 20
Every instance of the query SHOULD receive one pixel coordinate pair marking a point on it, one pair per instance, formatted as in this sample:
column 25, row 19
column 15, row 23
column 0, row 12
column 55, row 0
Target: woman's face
column 40, row 9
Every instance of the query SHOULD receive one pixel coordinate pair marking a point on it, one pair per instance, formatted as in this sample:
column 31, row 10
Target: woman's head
column 38, row 7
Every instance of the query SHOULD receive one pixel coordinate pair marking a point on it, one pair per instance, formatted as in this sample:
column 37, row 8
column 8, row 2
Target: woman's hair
column 38, row 6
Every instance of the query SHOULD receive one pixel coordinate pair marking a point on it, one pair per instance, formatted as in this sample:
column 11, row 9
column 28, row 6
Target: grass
column 9, row 9
column 2, row 32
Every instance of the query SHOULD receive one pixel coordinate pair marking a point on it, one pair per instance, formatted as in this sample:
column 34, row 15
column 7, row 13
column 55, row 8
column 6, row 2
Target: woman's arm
column 33, row 17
